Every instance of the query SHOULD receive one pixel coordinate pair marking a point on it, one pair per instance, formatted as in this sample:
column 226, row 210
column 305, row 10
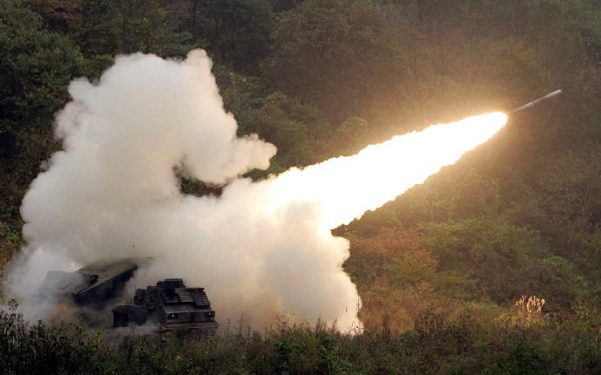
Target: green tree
column 507, row 261
column 236, row 32
column 337, row 55
column 35, row 68
column 287, row 123
column 59, row 15
column 113, row 26
column 299, row 131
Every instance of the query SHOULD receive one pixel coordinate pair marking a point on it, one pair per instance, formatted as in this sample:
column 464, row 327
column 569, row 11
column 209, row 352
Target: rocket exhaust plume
column 259, row 249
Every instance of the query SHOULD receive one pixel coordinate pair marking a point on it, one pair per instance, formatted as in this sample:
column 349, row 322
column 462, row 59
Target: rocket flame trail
column 258, row 249
column 346, row 187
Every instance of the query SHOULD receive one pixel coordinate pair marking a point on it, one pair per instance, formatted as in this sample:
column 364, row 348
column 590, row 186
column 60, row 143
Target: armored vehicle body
column 170, row 305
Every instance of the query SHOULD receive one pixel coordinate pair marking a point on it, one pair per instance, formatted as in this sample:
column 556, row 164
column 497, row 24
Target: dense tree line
column 326, row 77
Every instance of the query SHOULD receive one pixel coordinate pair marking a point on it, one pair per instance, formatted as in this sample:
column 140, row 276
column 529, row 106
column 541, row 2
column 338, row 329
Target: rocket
column 536, row 101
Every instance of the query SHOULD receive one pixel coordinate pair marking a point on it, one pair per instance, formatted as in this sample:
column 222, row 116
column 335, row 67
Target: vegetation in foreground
column 521, row 342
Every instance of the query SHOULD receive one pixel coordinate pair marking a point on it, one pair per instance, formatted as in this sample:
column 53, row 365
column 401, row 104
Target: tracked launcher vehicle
column 87, row 292
column 170, row 305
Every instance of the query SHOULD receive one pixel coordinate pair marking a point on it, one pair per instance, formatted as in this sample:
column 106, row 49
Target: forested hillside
column 445, row 272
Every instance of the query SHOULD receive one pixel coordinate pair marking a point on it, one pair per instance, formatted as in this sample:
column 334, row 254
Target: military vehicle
column 170, row 305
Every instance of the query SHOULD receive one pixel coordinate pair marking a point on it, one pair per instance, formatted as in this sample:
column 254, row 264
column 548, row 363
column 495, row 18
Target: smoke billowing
column 262, row 247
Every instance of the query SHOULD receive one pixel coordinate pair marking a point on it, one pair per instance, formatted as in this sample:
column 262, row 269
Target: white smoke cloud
column 259, row 249
column 112, row 193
